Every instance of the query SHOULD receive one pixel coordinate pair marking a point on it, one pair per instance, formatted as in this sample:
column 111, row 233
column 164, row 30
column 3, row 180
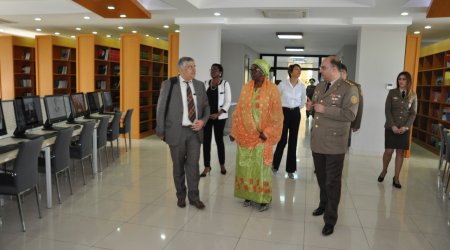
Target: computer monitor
column 93, row 102
column 78, row 105
column 55, row 109
column 107, row 101
column 28, row 113
column 3, row 130
column 68, row 106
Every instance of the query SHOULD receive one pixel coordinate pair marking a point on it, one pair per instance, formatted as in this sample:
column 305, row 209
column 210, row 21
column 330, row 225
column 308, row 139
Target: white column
column 201, row 42
column 380, row 58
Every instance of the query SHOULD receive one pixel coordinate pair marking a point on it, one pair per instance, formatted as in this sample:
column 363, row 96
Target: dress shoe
column 206, row 171
column 318, row 211
column 380, row 178
column 181, row 202
column 198, row 204
column 223, row 170
column 274, row 171
column 327, row 229
column 263, row 207
column 396, row 184
column 291, row 176
column 247, row 203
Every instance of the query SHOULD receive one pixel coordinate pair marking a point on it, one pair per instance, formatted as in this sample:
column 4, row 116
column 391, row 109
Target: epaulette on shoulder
column 350, row 82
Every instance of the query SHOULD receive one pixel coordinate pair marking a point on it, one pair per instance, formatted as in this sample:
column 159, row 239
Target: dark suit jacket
column 170, row 127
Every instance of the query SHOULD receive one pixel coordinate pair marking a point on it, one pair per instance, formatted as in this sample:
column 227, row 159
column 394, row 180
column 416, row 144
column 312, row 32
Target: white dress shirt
column 186, row 121
column 292, row 97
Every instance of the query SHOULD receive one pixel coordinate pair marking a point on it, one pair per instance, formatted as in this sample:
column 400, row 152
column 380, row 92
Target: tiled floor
column 132, row 205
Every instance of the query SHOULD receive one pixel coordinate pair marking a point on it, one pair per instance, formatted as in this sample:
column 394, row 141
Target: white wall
column 233, row 65
column 201, row 42
column 380, row 57
column 348, row 56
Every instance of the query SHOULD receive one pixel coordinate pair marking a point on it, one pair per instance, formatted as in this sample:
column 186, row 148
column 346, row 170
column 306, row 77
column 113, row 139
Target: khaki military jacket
column 330, row 132
column 356, row 124
column 399, row 111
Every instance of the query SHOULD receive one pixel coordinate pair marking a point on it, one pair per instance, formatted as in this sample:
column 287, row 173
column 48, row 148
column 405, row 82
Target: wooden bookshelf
column 433, row 93
column 18, row 66
column 143, row 82
column 64, row 70
column 107, row 72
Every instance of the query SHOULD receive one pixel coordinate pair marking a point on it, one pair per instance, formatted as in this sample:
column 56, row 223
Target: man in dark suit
column 335, row 102
column 180, row 119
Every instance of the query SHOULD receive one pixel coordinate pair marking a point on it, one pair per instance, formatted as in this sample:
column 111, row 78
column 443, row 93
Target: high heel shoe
column 206, row 171
column 381, row 177
column 223, row 170
column 396, row 184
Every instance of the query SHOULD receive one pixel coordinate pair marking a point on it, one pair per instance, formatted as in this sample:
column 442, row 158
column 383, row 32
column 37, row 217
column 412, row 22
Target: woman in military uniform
column 400, row 111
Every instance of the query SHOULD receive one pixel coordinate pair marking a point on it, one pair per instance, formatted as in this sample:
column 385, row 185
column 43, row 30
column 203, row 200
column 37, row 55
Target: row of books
column 65, row 54
column 100, row 84
column 24, row 83
column 62, row 70
column 26, row 69
column 106, row 53
column 26, row 55
column 60, row 84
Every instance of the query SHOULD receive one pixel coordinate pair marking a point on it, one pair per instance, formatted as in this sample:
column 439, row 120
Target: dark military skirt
column 396, row 141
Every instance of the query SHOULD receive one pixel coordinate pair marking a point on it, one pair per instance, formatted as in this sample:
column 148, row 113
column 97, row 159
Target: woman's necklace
column 213, row 86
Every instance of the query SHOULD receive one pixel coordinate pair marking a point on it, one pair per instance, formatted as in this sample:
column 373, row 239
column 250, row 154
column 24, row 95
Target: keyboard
column 9, row 147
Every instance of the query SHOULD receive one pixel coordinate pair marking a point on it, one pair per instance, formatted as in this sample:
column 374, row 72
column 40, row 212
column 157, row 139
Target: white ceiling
column 328, row 25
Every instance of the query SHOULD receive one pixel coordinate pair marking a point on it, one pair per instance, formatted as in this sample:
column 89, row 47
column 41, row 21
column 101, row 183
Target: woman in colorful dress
column 257, row 125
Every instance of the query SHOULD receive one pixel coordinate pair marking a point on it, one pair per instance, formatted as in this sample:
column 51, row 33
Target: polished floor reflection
column 132, row 205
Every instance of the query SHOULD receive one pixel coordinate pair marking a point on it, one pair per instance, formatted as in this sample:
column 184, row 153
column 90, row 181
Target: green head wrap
column 263, row 65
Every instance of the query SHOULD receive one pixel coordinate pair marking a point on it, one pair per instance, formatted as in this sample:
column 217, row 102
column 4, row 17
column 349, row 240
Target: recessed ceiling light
column 294, row 48
column 37, row 19
column 38, row 30
column 147, row 35
column 404, row 13
column 87, row 17
column 120, row 27
column 108, row 35
column 77, row 28
column 73, row 37
column 177, row 31
column 289, row 35
column 123, row 15
column 217, row 14
column 110, row 7
column 157, row 38
column 94, row 32
column 134, row 31
column 428, row 27
column 57, row 33
column 1, row 30
column 416, row 32
column 166, row 26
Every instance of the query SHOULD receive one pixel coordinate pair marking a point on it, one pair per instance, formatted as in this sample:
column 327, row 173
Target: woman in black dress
column 400, row 111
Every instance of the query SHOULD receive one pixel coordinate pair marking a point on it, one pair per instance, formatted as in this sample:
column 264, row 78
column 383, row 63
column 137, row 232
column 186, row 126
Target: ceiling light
column 94, row 32
column 108, row 35
column 123, row 15
column 37, row 19
column 157, row 38
column 147, row 35
column 166, row 26
column 1, row 30
column 297, row 57
column 110, row 7
column 404, row 13
column 428, row 27
column 57, row 33
column 217, row 14
column 87, row 17
column 38, row 30
column 177, row 31
column 120, row 27
column 289, row 35
column 77, row 28
column 294, row 48
column 134, row 31
column 416, row 32
column 73, row 37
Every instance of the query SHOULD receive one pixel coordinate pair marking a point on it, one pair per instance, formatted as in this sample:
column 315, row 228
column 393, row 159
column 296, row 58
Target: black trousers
column 290, row 125
column 218, row 126
column 329, row 176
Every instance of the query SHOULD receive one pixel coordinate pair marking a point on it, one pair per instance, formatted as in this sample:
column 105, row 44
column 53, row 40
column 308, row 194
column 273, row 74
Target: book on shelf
column 156, row 58
column 439, row 80
column 100, row 84
column 24, row 83
column 447, row 78
column 115, row 84
column 115, row 55
column 102, row 69
column 26, row 69
column 447, row 59
column 62, row 70
column 65, row 54
column 26, row 55
column 144, row 70
column 435, row 128
column 102, row 54
column 115, row 69
column 144, row 55
column 436, row 96
column 445, row 114
column 61, row 84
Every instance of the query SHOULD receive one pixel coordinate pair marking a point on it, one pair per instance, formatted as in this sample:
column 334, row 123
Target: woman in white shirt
column 293, row 98
column 219, row 97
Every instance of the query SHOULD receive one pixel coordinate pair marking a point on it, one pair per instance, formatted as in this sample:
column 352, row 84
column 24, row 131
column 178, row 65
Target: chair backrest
column 26, row 164
column 115, row 124
column 447, row 147
column 443, row 132
column 101, row 132
column 61, row 151
column 86, row 138
column 127, row 122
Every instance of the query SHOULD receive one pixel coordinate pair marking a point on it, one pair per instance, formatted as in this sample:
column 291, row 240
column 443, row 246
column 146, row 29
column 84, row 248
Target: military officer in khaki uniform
column 356, row 124
column 335, row 102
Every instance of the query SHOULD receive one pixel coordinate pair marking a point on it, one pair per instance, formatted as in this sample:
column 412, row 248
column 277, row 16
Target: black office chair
column 443, row 150
column 126, row 128
column 101, row 138
column 60, row 158
column 24, row 175
column 113, row 132
column 82, row 148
